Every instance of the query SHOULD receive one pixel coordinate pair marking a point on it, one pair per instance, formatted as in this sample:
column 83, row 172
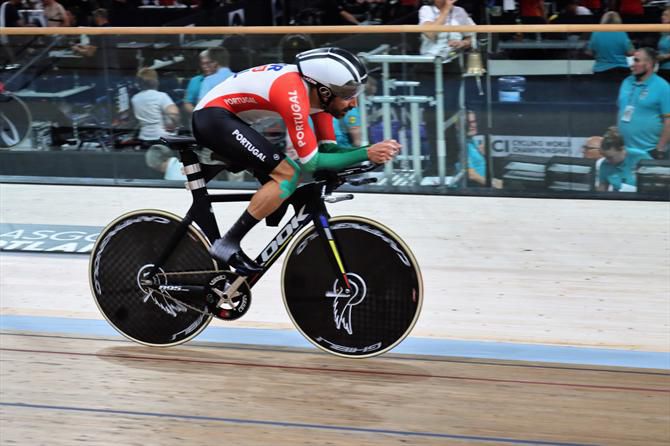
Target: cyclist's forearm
column 336, row 161
column 334, row 148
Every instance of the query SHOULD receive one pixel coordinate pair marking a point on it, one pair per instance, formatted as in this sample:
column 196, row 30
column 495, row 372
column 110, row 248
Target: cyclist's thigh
column 232, row 138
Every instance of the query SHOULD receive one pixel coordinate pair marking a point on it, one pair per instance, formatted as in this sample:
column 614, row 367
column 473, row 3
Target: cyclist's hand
column 383, row 151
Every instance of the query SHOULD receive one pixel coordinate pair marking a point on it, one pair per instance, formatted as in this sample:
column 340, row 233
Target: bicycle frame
column 307, row 201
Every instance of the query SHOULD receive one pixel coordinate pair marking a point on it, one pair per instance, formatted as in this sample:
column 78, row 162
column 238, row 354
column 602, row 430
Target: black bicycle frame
column 307, row 202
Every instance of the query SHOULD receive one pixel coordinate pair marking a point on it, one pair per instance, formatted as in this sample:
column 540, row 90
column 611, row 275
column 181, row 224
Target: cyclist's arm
column 289, row 96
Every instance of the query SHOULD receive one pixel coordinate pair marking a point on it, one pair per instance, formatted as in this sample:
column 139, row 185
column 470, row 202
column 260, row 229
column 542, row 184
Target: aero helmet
column 334, row 71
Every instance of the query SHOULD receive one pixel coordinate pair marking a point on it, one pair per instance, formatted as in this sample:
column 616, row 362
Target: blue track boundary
column 410, row 346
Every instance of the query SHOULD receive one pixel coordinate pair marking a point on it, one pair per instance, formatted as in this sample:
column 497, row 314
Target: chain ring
column 232, row 307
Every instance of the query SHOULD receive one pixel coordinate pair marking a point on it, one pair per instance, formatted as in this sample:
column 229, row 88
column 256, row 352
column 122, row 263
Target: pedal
column 230, row 296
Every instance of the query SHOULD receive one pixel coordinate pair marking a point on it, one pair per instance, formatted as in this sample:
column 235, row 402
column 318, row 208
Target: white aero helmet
column 334, row 71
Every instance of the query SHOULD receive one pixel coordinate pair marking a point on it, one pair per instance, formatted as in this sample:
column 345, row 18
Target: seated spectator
column 156, row 113
column 221, row 72
column 591, row 151
column 354, row 12
column 159, row 157
column 192, row 94
column 444, row 12
column 532, row 12
column 644, row 106
column 348, row 129
column 631, row 9
column 572, row 13
column 476, row 155
column 664, row 48
column 591, row 148
column 617, row 171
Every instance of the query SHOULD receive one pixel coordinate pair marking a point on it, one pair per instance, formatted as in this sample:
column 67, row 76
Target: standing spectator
column 55, row 14
column 192, row 95
column 644, row 106
column 609, row 49
column 593, row 5
column 444, row 12
column 664, row 47
column 221, row 72
column 156, row 113
column 164, row 160
column 618, row 168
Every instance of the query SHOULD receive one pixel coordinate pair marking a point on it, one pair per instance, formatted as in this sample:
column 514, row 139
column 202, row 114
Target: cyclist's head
column 334, row 72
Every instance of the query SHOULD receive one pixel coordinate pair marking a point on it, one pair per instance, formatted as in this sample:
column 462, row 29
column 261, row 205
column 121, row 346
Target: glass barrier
column 515, row 113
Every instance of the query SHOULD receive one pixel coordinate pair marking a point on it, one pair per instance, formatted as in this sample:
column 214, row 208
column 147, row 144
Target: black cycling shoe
column 243, row 265
column 233, row 256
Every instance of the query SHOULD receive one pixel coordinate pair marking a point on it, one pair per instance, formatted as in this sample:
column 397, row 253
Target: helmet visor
column 348, row 91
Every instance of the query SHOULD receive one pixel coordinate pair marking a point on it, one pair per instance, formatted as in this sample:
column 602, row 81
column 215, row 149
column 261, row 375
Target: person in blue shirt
column 618, row 168
column 610, row 67
column 476, row 162
column 192, row 95
column 664, row 48
column 219, row 56
column 610, row 49
column 348, row 129
column 644, row 107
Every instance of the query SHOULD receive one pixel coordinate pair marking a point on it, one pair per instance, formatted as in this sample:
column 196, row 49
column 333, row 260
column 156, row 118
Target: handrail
column 373, row 29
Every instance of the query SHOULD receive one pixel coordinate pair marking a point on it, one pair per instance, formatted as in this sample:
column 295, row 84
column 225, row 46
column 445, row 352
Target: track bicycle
column 350, row 285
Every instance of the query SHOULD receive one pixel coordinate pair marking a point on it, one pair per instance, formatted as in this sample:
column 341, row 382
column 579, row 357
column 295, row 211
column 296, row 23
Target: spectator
column 591, row 151
column 444, row 44
column 192, row 95
column 348, row 129
column 9, row 14
column 617, row 170
column 476, row 161
column 444, row 12
column 221, row 72
column 100, row 66
column 631, row 8
column 55, row 14
column 532, row 12
column 664, row 48
column 159, row 157
column 593, row 5
column 156, row 113
column 354, row 12
column 644, row 106
column 591, row 148
column 9, row 17
column 572, row 13
column 609, row 49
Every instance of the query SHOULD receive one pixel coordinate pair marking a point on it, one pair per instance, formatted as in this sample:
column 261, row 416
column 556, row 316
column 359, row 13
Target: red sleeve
column 323, row 123
column 289, row 97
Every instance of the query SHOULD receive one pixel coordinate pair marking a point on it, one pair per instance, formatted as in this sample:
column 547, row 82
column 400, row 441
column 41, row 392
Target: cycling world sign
column 47, row 238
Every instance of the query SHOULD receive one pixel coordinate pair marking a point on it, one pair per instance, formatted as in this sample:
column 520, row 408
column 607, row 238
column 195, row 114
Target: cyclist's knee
column 287, row 174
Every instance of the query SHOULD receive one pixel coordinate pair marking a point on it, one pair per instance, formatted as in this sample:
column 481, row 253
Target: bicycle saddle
column 179, row 142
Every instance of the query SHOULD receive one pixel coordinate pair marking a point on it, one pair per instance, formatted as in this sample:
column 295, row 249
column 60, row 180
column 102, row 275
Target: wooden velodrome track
column 559, row 275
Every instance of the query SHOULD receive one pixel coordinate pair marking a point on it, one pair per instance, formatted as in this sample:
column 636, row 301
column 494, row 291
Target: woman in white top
column 444, row 12
column 155, row 111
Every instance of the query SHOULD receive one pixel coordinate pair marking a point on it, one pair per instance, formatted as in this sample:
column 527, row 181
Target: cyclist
column 323, row 83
